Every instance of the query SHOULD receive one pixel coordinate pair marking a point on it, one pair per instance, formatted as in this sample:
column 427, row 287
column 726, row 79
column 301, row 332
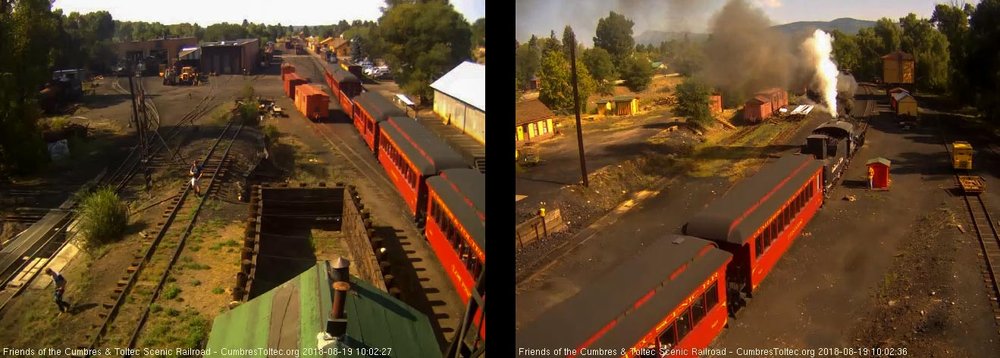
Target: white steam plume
column 820, row 46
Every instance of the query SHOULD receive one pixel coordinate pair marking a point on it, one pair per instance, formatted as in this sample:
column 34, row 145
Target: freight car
column 667, row 299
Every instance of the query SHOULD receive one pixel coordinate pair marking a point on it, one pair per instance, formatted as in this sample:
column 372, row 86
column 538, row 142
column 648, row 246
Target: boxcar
column 291, row 81
column 286, row 68
column 345, row 87
column 456, row 227
column 759, row 218
column 370, row 109
column 410, row 153
column 312, row 102
column 668, row 298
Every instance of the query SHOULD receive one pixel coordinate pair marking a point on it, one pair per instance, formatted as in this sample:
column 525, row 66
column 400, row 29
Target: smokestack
column 336, row 325
column 341, row 270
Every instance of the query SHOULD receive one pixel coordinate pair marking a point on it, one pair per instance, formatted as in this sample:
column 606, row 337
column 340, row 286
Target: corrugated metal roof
column 466, row 82
column 880, row 160
column 901, row 95
column 735, row 217
column 464, row 191
column 297, row 311
column 898, row 55
column 424, row 149
column 612, row 296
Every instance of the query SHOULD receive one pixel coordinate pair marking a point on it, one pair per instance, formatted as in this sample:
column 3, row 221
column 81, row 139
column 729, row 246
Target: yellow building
column 897, row 67
column 533, row 121
column 626, row 105
column 904, row 104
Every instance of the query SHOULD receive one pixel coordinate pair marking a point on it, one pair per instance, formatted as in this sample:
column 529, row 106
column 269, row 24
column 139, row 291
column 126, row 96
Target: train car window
column 712, row 296
column 698, row 309
column 759, row 246
column 683, row 324
column 669, row 336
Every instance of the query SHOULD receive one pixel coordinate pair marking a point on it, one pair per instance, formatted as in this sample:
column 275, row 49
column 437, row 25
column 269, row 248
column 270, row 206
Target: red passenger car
column 345, row 87
column 668, row 298
column 370, row 109
column 760, row 217
column 456, row 227
column 410, row 153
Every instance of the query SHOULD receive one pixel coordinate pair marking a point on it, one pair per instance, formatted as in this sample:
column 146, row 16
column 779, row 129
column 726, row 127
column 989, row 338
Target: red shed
column 715, row 103
column 878, row 172
column 757, row 109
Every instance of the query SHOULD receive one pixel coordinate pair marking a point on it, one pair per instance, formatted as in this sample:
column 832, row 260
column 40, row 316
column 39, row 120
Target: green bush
column 271, row 134
column 248, row 112
column 171, row 292
column 105, row 217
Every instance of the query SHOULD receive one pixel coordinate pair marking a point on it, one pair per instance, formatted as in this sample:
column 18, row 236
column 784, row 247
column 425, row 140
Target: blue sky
column 286, row 12
column 540, row 16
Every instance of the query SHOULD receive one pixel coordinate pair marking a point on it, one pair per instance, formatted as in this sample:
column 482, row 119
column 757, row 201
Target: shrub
column 105, row 217
column 172, row 292
column 218, row 290
column 271, row 134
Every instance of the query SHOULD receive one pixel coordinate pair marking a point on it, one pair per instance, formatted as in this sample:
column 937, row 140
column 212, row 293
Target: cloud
column 770, row 3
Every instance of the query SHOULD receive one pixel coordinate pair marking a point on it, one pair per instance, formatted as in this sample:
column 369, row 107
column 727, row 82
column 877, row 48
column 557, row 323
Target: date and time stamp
column 719, row 352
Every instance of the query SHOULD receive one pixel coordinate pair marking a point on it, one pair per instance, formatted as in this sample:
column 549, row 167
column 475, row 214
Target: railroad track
column 125, row 313
column 117, row 179
column 988, row 236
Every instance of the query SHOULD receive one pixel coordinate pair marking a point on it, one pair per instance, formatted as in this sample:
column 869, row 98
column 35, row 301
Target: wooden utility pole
column 576, row 109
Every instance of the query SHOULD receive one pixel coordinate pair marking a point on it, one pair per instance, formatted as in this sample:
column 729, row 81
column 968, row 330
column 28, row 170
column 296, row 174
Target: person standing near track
column 60, row 282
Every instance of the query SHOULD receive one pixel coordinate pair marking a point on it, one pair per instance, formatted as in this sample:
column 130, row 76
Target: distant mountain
column 845, row 24
column 651, row 37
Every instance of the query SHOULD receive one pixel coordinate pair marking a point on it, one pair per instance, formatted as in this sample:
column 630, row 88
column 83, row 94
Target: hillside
column 844, row 24
column 652, row 37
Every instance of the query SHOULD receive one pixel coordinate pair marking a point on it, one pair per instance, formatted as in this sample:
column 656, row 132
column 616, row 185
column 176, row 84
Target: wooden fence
column 539, row 227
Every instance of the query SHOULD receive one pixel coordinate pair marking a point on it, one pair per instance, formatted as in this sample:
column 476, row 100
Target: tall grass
column 105, row 217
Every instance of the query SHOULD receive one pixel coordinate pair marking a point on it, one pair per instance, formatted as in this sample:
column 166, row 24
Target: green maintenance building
column 295, row 319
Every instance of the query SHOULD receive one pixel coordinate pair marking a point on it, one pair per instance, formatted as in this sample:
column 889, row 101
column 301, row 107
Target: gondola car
column 669, row 298
column 370, row 109
column 410, row 154
column 456, row 227
column 759, row 218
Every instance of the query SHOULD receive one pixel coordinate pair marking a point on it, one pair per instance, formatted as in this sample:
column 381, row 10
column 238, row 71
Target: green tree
column 422, row 41
column 614, row 34
column 479, row 32
column 890, row 34
column 28, row 31
column 557, row 85
column 693, row 100
column 953, row 22
column 637, row 73
column 527, row 60
column 224, row 31
column 930, row 48
column 599, row 64
column 983, row 65
column 846, row 52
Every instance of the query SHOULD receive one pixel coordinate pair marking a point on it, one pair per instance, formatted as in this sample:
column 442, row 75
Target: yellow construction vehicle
column 961, row 155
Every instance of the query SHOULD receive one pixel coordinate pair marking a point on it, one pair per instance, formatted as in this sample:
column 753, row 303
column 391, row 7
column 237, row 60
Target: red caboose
column 671, row 295
column 371, row 109
column 760, row 217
